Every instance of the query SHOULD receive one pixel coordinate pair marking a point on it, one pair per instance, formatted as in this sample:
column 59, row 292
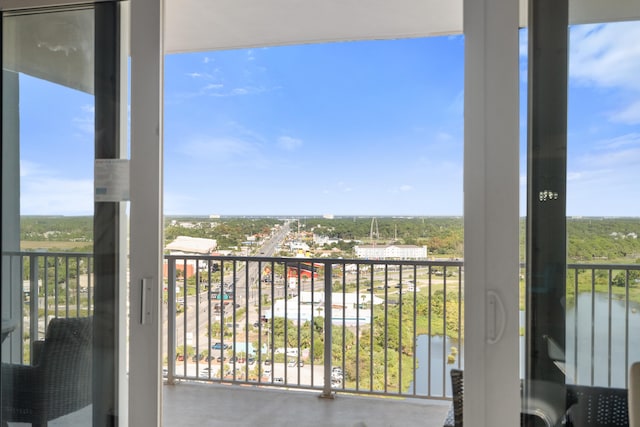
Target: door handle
column 146, row 305
column 496, row 317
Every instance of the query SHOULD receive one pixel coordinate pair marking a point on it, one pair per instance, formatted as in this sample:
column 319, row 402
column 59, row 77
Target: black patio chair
column 59, row 381
column 457, row 389
column 454, row 416
column 535, row 413
column 597, row 406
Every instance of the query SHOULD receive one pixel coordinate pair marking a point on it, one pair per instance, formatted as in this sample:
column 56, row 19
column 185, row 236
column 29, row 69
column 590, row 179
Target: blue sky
column 358, row 128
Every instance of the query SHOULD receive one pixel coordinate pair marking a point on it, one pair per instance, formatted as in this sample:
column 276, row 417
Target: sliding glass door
column 582, row 224
column 64, row 193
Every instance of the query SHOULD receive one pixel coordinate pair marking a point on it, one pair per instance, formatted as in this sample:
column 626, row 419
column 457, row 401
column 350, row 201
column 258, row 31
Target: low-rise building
column 391, row 252
column 190, row 246
column 346, row 308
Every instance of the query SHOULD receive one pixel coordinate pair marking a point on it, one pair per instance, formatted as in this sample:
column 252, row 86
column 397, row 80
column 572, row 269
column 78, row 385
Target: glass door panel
column 62, row 263
column 582, row 298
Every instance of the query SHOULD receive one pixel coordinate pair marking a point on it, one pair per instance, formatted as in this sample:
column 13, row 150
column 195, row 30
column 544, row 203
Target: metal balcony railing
column 49, row 285
column 368, row 327
column 355, row 326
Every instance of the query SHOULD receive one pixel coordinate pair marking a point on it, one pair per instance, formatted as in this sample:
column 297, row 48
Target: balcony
column 261, row 323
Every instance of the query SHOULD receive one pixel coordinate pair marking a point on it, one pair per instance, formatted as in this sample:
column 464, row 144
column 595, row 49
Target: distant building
column 300, row 247
column 391, row 252
column 185, row 245
column 347, row 308
column 324, row 240
column 190, row 246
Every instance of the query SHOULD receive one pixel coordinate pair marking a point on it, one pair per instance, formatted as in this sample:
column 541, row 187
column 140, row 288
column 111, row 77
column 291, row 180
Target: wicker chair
column 58, row 382
column 597, row 406
column 457, row 388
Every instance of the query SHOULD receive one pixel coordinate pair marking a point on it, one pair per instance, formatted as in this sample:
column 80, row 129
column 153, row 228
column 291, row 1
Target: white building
column 323, row 240
column 391, row 252
column 189, row 247
column 344, row 307
column 185, row 245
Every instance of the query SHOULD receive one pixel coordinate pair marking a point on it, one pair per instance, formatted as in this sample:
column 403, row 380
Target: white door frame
column 491, row 213
column 146, row 233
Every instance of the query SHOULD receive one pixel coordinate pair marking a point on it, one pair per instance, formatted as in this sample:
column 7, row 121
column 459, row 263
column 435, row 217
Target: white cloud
column 608, row 174
column 198, row 75
column 404, row 188
column 177, row 202
column 606, row 55
column 84, row 124
column 213, row 86
column 239, row 91
column 629, row 115
column 86, row 121
column 46, row 192
column 630, row 139
column 574, row 176
column 288, row 143
column 443, row 136
column 218, row 148
column 344, row 187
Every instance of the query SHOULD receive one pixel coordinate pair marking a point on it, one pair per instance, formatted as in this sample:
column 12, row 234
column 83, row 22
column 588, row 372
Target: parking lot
column 290, row 375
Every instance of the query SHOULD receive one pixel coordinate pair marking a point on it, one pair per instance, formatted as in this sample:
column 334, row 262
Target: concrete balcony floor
column 188, row 404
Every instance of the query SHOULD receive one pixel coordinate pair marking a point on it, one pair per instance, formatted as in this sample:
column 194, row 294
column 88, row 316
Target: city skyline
column 368, row 128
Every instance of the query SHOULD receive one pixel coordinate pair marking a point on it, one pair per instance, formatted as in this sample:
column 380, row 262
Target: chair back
column 597, row 406
column 457, row 388
column 65, row 364
column 634, row 395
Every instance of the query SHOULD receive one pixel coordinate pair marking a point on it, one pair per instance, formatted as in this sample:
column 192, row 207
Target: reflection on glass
column 47, row 266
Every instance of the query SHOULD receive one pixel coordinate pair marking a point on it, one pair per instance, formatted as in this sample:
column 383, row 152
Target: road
column 196, row 306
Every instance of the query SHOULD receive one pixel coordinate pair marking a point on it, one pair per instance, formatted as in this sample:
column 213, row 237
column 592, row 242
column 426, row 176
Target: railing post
column 326, row 391
column 35, row 300
column 171, row 320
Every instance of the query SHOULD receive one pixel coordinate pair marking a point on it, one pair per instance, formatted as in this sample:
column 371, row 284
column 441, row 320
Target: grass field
column 54, row 245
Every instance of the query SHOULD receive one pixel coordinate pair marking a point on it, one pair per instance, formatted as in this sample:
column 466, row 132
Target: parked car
column 267, row 362
column 278, row 380
column 220, row 346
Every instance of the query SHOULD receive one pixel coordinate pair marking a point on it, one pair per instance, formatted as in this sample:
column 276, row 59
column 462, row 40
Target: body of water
column 596, row 336
column 596, row 354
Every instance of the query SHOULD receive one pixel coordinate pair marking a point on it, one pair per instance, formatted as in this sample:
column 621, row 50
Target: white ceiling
column 57, row 47
column 226, row 24
column 200, row 25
